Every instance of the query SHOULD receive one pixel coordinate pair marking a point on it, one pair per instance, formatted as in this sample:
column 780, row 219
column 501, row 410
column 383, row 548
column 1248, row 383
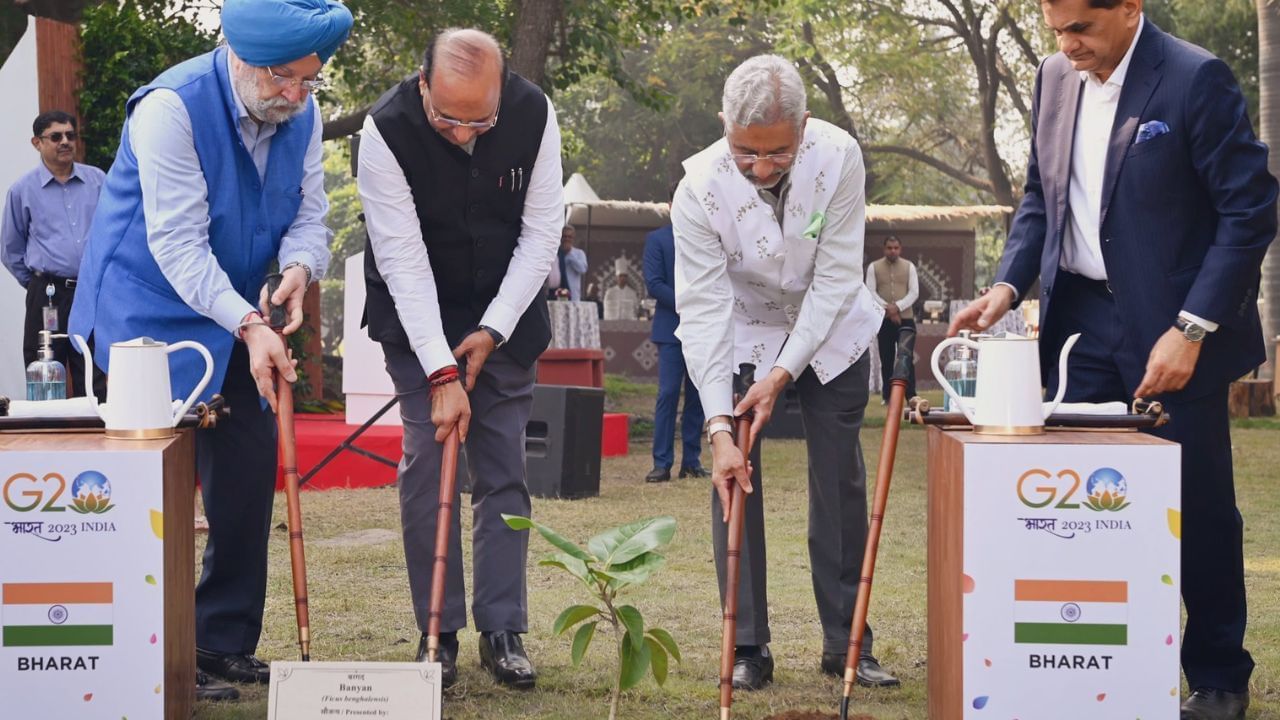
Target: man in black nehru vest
column 459, row 173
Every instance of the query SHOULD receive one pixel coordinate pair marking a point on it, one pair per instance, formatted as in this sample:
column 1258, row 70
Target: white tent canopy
column 578, row 191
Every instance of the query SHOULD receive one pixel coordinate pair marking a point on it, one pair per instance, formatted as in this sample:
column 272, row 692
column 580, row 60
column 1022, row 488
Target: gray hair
column 763, row 90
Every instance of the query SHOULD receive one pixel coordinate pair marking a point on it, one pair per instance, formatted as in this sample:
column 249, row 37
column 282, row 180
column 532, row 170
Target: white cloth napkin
column 70, row 408
column 1106, row 408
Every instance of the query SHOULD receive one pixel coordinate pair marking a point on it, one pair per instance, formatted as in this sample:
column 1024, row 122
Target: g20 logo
column 1106, row 490
column 90, row 493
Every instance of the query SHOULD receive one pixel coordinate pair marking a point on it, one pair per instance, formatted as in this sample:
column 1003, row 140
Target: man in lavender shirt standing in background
column 42, row 235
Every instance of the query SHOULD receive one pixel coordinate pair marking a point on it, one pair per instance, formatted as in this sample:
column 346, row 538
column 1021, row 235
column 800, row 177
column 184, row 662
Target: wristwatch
column 1191, row 332
column 718, row 427
column 498, row 339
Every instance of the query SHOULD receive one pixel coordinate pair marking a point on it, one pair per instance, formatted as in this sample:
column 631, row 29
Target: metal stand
column 349, row 445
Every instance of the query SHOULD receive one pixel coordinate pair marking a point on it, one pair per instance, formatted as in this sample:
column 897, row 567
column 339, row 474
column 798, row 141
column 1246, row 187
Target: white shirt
column 396, row 238
column 176, row 206
column 913, row 287
column 1081, row 246
column 704, row 287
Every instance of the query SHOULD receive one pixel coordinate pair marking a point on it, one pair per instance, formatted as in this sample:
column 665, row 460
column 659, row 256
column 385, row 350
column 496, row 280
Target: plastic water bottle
column 962, row 373
column 46, row 377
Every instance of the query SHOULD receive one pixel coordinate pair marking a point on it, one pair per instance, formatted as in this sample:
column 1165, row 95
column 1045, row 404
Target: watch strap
column 718, row 427
column 498, row 339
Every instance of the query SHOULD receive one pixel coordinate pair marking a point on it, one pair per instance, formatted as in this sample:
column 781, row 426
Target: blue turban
column 276, row 32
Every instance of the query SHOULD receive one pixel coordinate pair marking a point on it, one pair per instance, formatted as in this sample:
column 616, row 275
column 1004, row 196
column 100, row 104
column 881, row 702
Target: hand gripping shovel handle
column 444, row 522
column 737, row 503
column 884, row 474
column 278, row 318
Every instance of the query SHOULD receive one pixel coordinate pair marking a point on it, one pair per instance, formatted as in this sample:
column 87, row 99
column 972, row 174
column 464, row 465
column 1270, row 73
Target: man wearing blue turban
column 218, row 175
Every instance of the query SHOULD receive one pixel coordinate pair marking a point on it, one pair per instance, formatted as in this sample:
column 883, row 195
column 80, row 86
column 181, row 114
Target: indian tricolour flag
column 1071, row 612
column 51, row 614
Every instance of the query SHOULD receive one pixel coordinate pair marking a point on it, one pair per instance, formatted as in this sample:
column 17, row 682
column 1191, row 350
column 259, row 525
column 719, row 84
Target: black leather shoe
column 446, row 655
column 658, row 474
column 1214, row 704
column 833, row 664
column 693, row 471
column 871, row 675
column 502, row 654
column 233, row 667
column 752, row 667
column 211, row 690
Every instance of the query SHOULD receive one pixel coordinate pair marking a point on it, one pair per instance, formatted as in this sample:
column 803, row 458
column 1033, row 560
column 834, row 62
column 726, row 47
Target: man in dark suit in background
column 660, row 278
column 1148, row 210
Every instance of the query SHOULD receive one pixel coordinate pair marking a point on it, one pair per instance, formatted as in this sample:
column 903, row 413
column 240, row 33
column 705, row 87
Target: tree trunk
column 1269, row 90
column 531, row 37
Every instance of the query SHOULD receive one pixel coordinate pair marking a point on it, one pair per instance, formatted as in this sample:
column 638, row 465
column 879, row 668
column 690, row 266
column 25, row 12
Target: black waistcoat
column 469, row 211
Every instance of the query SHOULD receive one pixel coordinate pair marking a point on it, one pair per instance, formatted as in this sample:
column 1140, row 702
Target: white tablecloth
column 574, row 324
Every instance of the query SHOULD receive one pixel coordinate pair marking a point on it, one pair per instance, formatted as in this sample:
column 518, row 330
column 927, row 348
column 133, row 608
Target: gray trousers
column 832, row 416
column 500, row 407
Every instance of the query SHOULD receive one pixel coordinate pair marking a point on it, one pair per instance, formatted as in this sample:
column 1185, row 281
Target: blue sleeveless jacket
column 122, row 294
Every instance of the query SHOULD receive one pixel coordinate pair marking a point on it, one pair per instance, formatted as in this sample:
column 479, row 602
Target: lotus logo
column 91, row 493
column 1106, row 490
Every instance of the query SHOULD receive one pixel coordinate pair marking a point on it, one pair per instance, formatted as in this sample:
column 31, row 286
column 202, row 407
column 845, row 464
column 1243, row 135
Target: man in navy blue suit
column 660, row 277
column 1148, row 210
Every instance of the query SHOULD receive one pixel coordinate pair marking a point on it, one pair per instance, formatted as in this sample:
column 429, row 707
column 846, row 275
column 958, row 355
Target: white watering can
column 1008, row 395
column 138, row 385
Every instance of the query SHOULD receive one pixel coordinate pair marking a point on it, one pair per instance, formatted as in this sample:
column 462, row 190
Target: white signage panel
column 81, row 584
column 1072, row 572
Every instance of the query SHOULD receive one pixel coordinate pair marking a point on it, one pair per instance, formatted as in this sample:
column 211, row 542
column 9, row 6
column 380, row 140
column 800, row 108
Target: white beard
column 274, row 110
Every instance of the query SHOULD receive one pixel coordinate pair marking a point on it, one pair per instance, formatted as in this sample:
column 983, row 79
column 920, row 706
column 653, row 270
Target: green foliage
column 348, row 239
column 125, row 46
column 613, row 561
column 1227, row 28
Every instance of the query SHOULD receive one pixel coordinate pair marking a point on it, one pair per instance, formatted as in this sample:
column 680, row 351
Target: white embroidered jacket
column 752, row 289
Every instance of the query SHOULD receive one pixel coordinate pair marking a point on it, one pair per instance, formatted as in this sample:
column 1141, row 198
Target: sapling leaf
column 516, row 522
column 657, row 660
column 581, row 641
column 572, row 616
column 621, row 544
column 667, row 642
column 634, row 623
column 635, row 662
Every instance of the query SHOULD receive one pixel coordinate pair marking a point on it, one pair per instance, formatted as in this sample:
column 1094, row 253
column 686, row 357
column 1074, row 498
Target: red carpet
column 317, row 435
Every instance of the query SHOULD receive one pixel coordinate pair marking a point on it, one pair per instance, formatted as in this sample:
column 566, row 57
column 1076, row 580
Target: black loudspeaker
column 786, row 422
column 562, row 441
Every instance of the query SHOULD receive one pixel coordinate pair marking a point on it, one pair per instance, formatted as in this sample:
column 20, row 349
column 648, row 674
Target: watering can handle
column 942, row 378
column 1052, row 405
column 88, row 370
column 204, row 380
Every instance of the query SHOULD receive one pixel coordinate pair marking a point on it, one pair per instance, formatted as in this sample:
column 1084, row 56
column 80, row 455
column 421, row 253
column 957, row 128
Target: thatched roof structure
column 583, row 206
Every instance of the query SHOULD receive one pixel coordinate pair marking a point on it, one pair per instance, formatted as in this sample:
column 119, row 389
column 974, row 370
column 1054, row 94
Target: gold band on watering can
column 1009, row 429
column 152, row 434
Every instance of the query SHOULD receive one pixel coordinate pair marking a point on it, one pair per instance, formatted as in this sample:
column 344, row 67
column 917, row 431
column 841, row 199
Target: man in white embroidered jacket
column 768, row 234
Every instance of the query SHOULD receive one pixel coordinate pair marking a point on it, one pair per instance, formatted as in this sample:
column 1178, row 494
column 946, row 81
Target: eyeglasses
column 317, row 83
column 450, row 123
column 779, row 159
column 56, row 137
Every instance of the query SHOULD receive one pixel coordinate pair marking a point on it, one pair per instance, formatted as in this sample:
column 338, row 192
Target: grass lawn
column 360, row 594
